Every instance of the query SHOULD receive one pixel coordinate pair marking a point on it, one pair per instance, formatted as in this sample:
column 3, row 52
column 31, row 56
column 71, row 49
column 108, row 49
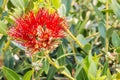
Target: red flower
column 39, row 31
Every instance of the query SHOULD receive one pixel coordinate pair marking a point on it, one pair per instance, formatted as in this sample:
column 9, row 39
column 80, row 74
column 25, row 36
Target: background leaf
column 46, row 66
column 18, row 3
column 28, row 75
column 56, row 3
column 51, row 73
column 60, row 52
column 104, row 71
column 102, row 30
column 67, row 3
column 116, row 8
column 10, row 74
column 115, row 39
column 3, row 28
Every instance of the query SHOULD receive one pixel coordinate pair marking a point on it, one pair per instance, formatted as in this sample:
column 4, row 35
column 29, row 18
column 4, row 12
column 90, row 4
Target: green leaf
column 46, row 66
column 1, row 75
column 3, row 28
column 28, row 75
column 51, row 73
column 8, row 58
column 78, row 69
column 109, row 75
column 10, row 74
column 1, row 2
column 87, row 48
column 103, row 1
column 116, row 8
column 9, row 19
column 60, row 52
column 29, row 5
column 82, row 75
column 109, row 32
column 99, row 13
column 79, row 58
column 1, row 10
column 17, row 12
column 102, row 30
column 118, row 76
column 90, row 59
column 67, row 5
column 56, row 3
column 115, row 39
column 62, row 10
column 82, row 26
column 18, row 45
column 104, row 71
column 83, row 40
column 2, row 43
column 92, row 69
column 118, row 53
column 18, row 3
column 117, row 50
column 67, row 71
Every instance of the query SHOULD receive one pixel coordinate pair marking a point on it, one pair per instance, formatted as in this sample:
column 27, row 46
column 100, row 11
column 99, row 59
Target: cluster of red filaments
column 42, row 30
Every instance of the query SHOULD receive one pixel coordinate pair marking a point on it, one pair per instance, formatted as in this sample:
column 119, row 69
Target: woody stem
column 73, row 37
column 57, row 66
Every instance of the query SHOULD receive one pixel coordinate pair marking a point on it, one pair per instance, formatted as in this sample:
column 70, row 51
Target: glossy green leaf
column 67, row 71
column 92, row 69
column 46, row 66
column 1, row 10
column 109, row 32
column 18, row 3
column 51, row 73
column 118, row 50
column 8, row 58
column 10, row 74
column 1, row 2
column 103, row 1
column 109, row 75
column 1, row 75
column 9, row 19
column 78, row 69
column 82, row 26
column 118, row 53
column 115, row 39
column 18, row 45
column 60, row 52
column 2, row 42
column 56, row 3
column 62, row 10
column 29, row 4
column 3, row 28
column 90, row 59
column 17, row 12
column 99, row 13
column 116, row 8
column 83, row 40
column 87, row 48
column 28, row 75
column 102, row 30
column 67, row 5
column 104, row 71
column 82, row 75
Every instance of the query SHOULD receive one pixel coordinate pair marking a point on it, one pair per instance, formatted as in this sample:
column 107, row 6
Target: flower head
column 42, row 30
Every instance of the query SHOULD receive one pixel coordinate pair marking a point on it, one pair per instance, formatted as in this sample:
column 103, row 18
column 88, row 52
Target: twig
column 73, row 37
column 107, row 24
column 57, row 66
